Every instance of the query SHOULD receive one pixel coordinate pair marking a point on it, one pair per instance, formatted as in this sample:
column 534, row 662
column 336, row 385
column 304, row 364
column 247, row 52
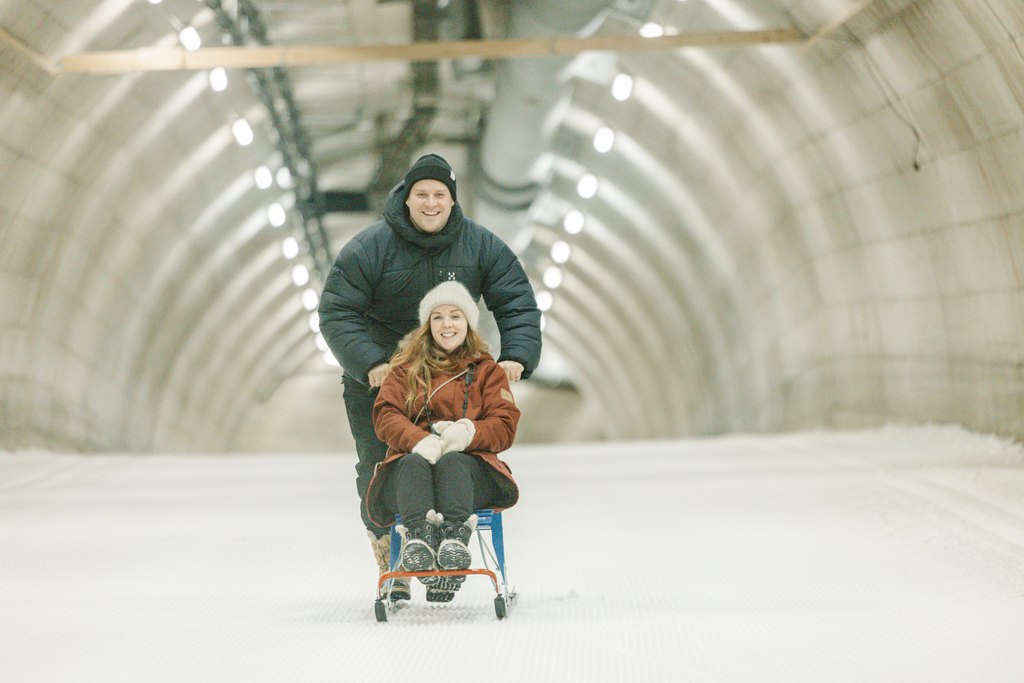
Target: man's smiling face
column 430, row 204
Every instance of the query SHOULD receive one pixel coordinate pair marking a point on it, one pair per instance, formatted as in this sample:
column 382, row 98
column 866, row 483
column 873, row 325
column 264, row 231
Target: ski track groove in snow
column 875, row 555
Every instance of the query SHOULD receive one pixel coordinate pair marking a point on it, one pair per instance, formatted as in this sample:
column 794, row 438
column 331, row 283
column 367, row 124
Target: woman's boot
column 453, row 551
column 421, row 543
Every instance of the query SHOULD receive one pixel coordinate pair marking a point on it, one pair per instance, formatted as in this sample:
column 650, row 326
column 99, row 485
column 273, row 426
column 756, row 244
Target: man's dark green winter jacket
column 372, row 294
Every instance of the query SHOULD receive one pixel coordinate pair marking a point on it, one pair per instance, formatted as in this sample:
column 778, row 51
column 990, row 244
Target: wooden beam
column 39, row 60
column 176, row 59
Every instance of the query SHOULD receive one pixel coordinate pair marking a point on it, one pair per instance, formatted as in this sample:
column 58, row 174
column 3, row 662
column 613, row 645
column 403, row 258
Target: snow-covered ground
column 887, row 555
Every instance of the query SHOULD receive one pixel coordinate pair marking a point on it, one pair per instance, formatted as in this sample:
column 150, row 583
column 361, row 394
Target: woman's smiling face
column 448, row 326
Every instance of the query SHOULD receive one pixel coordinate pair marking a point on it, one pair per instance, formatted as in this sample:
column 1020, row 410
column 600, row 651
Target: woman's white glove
column 429, row 448
column 441, row 425
column 458, row 436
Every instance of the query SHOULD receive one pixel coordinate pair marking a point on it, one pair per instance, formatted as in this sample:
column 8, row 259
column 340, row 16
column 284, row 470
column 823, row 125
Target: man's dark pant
column 359, row 400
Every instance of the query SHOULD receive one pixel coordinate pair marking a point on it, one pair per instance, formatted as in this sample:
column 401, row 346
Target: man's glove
column 458, row 436
column 429, row 448
column 441, row 425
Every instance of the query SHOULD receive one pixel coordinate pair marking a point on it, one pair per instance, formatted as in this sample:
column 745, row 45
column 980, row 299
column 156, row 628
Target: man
column 372, row 295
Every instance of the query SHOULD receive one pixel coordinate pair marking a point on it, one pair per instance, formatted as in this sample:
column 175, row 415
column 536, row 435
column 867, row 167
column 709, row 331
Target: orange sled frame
column 493, row 551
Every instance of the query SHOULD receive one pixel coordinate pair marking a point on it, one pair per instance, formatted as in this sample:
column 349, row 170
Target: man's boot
column 382, row 554
column 420, row 551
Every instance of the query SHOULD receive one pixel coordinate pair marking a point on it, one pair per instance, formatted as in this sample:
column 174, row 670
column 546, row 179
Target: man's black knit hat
column 433, row 167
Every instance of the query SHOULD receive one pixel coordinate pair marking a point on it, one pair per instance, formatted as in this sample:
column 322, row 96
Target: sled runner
column 492, row 551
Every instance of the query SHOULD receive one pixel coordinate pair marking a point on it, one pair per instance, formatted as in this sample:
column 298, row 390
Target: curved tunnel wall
column 139, row 268
column 761, row 253
column 856, row 289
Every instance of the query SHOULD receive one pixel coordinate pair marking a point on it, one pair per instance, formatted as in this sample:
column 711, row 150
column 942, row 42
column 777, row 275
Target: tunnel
column 799, row 235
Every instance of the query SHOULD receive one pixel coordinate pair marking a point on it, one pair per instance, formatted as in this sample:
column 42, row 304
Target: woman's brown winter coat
column 490, row 406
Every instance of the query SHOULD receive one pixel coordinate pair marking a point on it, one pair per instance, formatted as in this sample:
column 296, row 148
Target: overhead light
column 544, row 299
column 587, row 186
column 242, row 131
column 560, row 251
column 552, row 277
column 314, row 322
column 189, row 38
column 320, row 342
column 300, row 275
column 290, row 247
column 573, row 221
column 622, row 87
column 218, row 79
column 276, row 215
column 284, row 178
column 330, row 359
column 652, row 30
column 154, row 2
column 604, row 139
column 543, row 322
column 263, row 177
column 310, row 299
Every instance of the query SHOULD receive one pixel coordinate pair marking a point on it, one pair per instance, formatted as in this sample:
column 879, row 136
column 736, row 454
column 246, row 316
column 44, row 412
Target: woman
column 445, row 411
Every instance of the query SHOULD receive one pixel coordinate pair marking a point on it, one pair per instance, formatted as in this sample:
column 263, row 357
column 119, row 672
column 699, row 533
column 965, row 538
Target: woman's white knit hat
column 454, row 293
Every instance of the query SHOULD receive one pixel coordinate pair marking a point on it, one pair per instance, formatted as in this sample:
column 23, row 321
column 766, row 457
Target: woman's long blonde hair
column 426, row 359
